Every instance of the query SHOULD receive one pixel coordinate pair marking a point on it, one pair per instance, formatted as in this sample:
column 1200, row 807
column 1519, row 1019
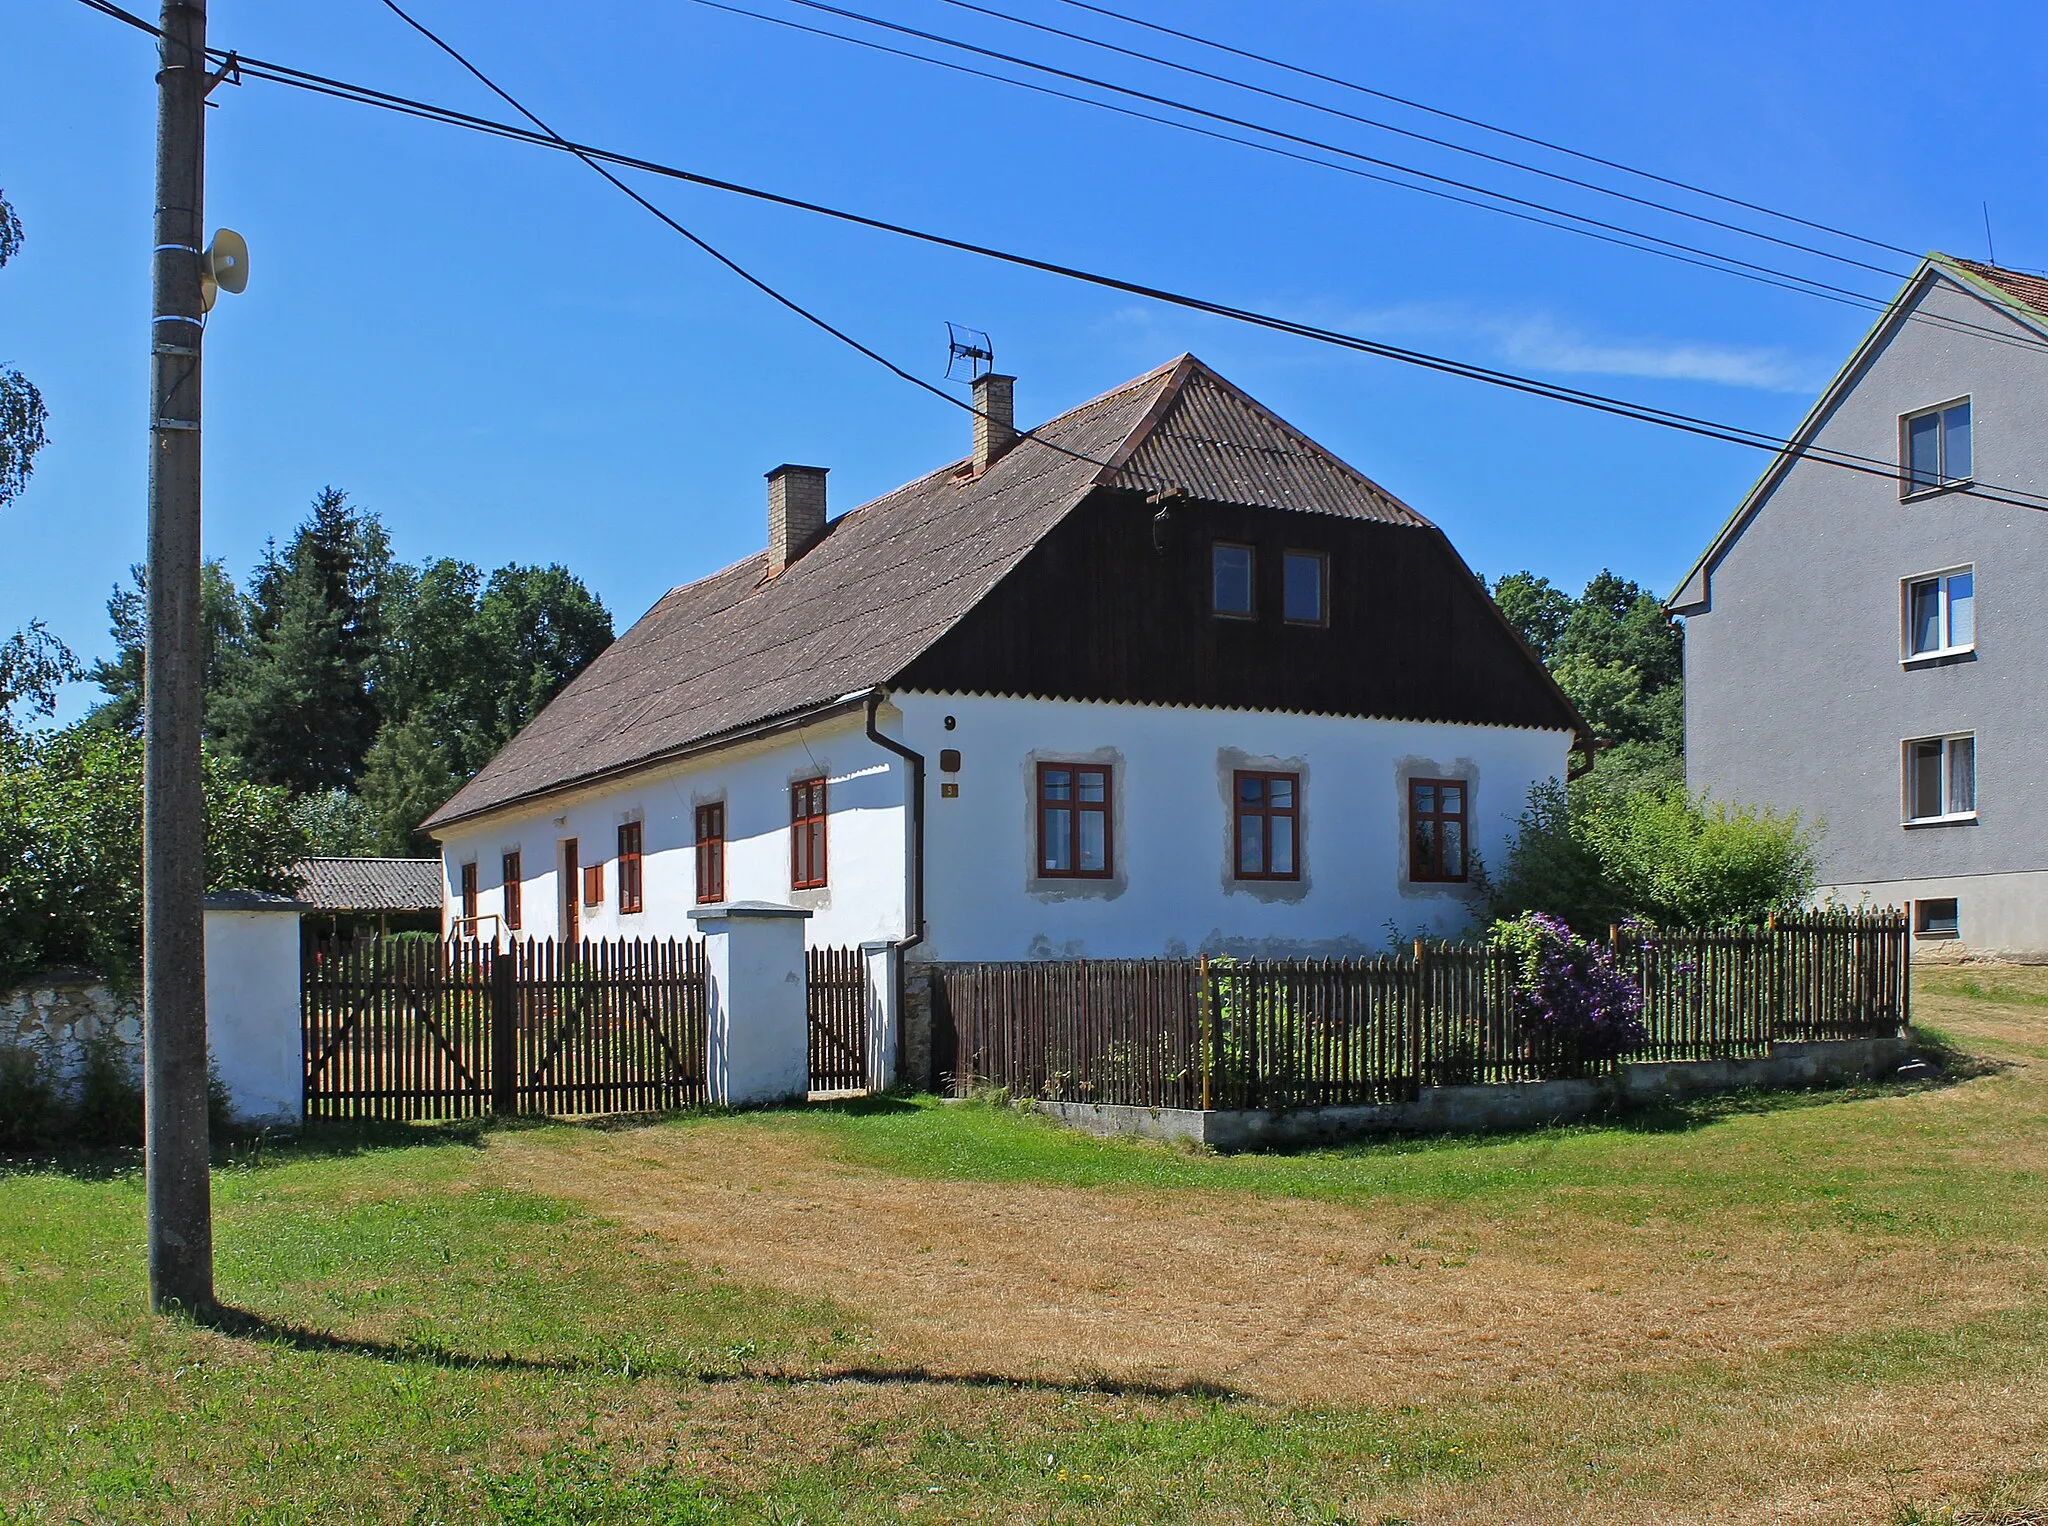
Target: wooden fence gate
column 412, row 1029
column 837, row 987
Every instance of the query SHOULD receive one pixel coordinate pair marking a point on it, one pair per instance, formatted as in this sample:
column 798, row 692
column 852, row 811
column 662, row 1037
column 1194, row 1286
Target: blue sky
column 510, row 362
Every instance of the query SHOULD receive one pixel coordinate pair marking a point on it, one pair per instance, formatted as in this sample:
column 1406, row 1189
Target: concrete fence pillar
column 879, row 962
column 757, row 1002
column 252, row 1005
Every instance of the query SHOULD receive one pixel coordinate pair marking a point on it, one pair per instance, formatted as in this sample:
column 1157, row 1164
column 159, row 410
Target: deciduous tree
column 22, row 415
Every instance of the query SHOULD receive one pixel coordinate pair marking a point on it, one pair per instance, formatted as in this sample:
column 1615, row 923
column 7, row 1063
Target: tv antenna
column 971, row 346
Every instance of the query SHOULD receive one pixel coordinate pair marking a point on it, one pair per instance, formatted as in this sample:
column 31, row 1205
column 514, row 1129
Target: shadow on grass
column 341, row 1139
column 245, row 1325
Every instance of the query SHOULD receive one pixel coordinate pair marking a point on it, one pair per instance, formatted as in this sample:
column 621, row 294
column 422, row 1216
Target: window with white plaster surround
column 1940, row 614
column 1934, row 448
column 1941, row 779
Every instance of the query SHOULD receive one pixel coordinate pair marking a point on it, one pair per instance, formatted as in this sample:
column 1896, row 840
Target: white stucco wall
column 866, row 790
column 252, row 1012
column 1173, row 892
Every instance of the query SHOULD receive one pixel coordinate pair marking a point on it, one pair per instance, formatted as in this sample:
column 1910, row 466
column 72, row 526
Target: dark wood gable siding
column 1108, row 606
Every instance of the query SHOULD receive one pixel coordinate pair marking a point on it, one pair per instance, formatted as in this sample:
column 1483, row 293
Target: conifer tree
column 303, row 711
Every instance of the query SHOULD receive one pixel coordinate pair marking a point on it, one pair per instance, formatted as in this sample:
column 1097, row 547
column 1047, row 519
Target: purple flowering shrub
column 1575, row 1004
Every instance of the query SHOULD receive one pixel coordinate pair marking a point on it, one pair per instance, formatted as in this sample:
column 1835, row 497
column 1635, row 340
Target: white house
column 1159, row 676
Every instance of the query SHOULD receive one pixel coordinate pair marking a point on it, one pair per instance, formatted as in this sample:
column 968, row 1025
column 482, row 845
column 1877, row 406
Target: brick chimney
column 796, row 513
column 995, row 418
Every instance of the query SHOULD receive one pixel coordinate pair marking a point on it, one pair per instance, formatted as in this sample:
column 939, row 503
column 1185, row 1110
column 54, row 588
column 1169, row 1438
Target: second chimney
column 995, row 418
column 796, row 513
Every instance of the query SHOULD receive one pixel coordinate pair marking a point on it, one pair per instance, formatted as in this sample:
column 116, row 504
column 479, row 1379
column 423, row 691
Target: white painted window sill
column 1929, row 659
column 1958, row 818
column 1937, row 490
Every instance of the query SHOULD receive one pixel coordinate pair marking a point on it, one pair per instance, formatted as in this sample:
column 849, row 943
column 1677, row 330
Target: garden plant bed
column 1825, row 1306
column 1483, row 1109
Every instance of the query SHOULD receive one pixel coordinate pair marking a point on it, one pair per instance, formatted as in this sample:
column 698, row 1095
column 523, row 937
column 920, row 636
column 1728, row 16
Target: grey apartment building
column 1867, row 636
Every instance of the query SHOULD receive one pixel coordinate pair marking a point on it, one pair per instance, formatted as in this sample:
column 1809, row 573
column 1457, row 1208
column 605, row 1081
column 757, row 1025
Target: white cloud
column 1541, row 343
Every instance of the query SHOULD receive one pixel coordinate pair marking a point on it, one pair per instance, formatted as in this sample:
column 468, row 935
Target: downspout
column 916, row 934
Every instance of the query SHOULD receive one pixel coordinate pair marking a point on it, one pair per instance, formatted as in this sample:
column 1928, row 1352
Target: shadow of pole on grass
column 242, row 1324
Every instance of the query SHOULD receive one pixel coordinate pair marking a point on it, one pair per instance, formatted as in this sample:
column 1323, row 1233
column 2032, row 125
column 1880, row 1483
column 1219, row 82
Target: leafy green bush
column 29, row 1105
column 104, row 1109
column 1595, row 855
column 71, row 848
column 109, row 1106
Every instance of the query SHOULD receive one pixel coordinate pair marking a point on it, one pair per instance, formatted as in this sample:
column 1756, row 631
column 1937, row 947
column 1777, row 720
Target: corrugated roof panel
column 369, row 884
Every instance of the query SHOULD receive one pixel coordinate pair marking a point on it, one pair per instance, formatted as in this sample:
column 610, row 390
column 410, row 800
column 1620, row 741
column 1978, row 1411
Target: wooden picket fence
column 837, row 997
column 1306, row 1033
column 397, row 1028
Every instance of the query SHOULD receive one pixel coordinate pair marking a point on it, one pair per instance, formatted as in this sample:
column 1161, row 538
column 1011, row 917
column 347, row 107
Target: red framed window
column 1436, row 829
column 1074, row 836
column 629, row 868
column 1268, row 826
column 514, row 888
column 807, row 834
column 469, row 894
column 711, row 853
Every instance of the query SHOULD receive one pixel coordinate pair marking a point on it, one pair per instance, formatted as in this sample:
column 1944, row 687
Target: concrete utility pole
column 174, row 811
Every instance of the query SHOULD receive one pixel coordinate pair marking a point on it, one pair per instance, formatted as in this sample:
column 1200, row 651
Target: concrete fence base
column 1480, row 1109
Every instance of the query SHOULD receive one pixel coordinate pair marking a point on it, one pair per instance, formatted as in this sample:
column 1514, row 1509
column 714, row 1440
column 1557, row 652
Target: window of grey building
column 1941, row 778
column 1936, row 918
column 1941, row 613
column 1935, row 448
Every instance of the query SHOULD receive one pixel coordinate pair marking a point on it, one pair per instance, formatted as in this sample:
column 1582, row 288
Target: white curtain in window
column 1962, row 775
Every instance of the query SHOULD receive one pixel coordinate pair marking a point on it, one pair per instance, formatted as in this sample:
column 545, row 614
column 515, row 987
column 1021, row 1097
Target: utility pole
column 176, row 1148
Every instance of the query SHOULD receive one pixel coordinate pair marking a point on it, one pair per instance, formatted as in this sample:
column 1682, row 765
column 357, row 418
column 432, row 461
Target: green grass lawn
column 422, row 1339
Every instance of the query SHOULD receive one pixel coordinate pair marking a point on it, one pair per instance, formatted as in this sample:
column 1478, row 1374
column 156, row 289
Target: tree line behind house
column 1627, row 840
column 347, row 694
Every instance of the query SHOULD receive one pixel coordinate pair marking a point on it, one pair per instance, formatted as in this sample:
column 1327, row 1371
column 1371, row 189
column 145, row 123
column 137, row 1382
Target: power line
column 1173, row 104
column 730, row 264
column 1589, row 227
column 1598, row 402
column 1419, row 137
column 1483, row 126
column 1684, row 254
column 1703, row 261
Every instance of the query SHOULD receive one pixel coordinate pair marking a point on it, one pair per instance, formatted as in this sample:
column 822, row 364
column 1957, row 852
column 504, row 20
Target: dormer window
column 1307, row 588
column 1230, row 581
column 1935, row 448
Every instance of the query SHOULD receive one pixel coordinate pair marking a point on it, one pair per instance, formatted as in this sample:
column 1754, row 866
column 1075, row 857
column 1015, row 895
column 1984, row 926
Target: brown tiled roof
column 369, row 884
column 2030, row 291
column 888, row 579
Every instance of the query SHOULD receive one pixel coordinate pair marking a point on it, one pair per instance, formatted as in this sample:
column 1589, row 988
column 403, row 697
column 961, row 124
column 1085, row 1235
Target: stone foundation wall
column 57, row 1013
column 916, row 1072
column 1479, row 1109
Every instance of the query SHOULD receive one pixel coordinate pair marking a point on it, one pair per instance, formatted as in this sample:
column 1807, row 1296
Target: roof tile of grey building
column 887, row 580
column 2028, row 290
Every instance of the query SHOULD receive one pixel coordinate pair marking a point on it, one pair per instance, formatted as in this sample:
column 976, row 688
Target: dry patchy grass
column 1826, row 1308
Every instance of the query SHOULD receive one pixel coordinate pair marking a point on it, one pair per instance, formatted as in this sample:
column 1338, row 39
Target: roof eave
column 789, row 720
column 1692, row 592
